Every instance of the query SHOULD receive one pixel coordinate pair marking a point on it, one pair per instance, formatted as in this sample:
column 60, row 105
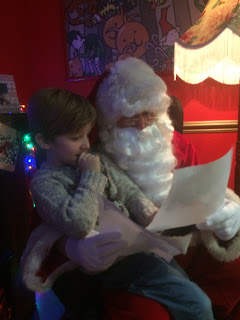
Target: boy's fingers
column 82, row 155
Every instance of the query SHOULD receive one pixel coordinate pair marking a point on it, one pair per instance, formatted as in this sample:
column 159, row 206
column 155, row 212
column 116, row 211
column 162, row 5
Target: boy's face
column 65, row 149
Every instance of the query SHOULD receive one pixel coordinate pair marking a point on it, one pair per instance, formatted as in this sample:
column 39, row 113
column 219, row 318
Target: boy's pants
column 80, row 295
column 219, row 280
column 148, row 275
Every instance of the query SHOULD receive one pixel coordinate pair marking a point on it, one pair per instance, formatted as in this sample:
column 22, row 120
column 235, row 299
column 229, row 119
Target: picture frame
column 9, row 102
column 9, row 147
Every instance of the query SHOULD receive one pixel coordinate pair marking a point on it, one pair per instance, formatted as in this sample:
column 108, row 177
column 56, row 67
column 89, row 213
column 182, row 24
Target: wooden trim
column 210, row 126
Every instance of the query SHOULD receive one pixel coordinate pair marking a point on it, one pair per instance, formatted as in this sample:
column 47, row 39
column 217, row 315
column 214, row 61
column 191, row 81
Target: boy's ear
column 42, row 142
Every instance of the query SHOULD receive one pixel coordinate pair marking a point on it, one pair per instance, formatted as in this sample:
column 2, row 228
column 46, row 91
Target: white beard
column 146, row 156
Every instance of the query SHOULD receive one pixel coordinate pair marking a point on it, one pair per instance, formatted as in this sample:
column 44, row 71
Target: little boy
column 65, row 190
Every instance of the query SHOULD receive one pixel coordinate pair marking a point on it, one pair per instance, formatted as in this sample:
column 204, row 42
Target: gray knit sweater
column 67, row 199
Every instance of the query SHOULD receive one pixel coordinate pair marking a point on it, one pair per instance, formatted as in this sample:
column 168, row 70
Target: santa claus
column 136, row 132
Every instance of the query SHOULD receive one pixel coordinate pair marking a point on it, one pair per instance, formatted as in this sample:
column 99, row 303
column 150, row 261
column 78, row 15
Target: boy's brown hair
column 53, row 112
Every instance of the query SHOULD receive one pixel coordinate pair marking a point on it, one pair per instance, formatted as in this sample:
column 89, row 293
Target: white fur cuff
column 39, row 245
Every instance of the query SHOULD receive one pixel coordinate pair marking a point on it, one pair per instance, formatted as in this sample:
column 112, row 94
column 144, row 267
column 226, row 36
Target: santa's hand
column 96, row 253
column 225, row 223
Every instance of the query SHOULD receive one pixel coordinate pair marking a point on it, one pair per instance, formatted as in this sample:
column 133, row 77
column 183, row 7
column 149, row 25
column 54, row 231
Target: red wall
column 32, row 49
column 13, row 52
column 207, row 101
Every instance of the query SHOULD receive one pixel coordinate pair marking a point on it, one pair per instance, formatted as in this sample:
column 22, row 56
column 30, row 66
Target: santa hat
column 131, row 87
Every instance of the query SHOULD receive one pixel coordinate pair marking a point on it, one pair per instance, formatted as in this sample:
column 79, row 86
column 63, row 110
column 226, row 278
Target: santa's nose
column 141, row 123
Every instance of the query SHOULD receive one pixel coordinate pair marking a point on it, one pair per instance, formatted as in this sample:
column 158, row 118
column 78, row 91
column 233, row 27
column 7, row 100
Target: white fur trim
column 231, row 195
column 39, row 244
column 223, row 251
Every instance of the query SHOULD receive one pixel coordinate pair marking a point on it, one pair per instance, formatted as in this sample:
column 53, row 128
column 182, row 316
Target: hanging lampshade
column 211, row 47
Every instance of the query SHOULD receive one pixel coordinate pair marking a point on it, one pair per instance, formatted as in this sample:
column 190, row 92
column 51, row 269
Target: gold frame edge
column 210, row 126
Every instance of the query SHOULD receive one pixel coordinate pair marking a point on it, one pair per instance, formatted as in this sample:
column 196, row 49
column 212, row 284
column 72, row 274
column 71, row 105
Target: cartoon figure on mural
column 93, row 51
column 82, row 12
column 126, row 37
column 75, row 40
column 164, row 46
column 75, row 68
column 155, row 3
column 169, row 35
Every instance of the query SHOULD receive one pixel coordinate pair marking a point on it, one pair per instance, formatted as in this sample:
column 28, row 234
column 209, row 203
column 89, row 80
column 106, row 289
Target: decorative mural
column 99, row 33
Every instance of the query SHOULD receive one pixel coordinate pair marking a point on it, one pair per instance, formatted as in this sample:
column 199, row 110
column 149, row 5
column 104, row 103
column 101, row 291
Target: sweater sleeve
column 139, row 206
column 73, row 212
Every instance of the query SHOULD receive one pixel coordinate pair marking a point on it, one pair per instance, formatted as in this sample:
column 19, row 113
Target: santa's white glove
column 96, row 253
column 225, row 223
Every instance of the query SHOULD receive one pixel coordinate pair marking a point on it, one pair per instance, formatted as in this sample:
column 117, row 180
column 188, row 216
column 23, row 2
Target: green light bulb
column 27, row 137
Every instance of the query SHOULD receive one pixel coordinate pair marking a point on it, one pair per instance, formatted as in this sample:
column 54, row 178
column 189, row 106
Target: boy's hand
column 88, row 161
column 97, row 253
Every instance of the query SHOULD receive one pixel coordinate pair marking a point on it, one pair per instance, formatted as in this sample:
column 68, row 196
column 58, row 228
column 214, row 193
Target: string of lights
column 29, row 159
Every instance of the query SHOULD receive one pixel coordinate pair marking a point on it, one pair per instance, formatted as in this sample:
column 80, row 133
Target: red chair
column 120, row 304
